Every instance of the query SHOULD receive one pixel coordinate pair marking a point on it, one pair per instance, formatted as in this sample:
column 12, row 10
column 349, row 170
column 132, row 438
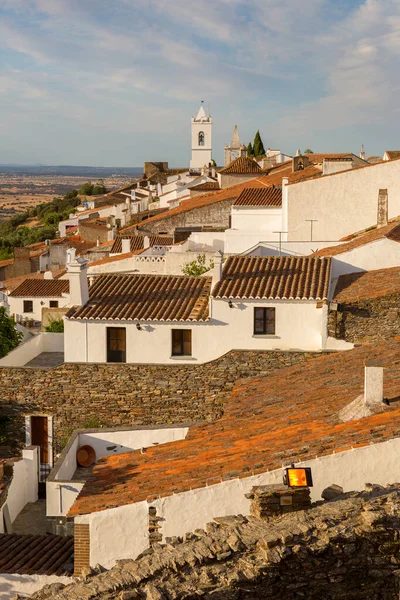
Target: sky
column 115, row 82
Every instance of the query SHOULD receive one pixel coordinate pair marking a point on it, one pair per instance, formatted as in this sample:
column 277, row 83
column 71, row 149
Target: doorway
column 39, row 433
column 116, row 344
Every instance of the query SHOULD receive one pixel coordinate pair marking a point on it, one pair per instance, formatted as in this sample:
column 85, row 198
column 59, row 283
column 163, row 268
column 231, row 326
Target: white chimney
column 71, row 252
column 78, row 281
column 146, row 241
column 217, row 270
column 48, row 275
column 126, row 245
column 98, row 242
column 373, row 384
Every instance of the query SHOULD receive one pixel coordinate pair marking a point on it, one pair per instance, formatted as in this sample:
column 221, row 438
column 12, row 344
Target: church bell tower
column 201, row 140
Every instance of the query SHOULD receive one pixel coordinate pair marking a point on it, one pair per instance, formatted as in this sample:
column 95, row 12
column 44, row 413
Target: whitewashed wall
column 250, row 225
column 299, row 326
column 123, row 532
column 42, row 342
column 171, row 263
column 17, row 306
column 381, row 254
column 342, row 203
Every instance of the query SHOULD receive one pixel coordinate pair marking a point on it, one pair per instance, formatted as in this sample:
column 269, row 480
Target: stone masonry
column 369, row 320
column 346, row 549
column 95, row 395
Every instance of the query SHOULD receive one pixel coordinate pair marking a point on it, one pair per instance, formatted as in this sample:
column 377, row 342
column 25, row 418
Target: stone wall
column 341, row 550
column 94, row 395
column 366, row 320
column 214, row 215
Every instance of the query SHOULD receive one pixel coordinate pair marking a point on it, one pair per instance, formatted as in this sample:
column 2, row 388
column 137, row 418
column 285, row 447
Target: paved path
column 32, row 519
column 47, row 360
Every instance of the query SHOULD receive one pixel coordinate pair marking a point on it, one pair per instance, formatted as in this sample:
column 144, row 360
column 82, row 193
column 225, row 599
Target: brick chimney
column 78, row 281
column 383, row 204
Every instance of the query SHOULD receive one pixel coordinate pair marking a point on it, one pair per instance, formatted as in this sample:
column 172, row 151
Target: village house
column 239, row 170
column 32, row 295
column 345, row 436
column 256, row 303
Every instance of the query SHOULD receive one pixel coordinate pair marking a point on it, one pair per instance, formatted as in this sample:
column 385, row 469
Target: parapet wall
column 94, row 395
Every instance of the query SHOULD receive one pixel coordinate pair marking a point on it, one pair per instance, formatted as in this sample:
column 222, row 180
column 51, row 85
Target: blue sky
column 115, row 82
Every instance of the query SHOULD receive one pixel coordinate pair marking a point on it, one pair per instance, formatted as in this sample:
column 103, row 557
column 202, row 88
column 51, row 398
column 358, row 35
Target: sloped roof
column 367, row 284
column 6, row 262
column 46, row 288
column 266, row 196
column 137, row 242
column 229, row 193
column 289, row 416
column 391, row 231
column 207, row 186
column 393, row 154
column 243, row 165
column 146, row 298
column 36, row 554
column 274, row 277
column 13, row 282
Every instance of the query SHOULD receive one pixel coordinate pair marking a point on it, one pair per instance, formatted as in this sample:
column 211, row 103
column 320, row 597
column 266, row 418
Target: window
column 181, row 342
column 116, row 344
column 28, row 306
column 53, row 303
column 201, row 138
column 264, row 321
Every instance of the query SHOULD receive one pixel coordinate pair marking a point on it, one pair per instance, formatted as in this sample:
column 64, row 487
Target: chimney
column 98, row 242
column 146, row 241
column 48, row 275
column 78, row 281
column 382, row 218
column 373, row 384
column 217, row 270
column 126, row 245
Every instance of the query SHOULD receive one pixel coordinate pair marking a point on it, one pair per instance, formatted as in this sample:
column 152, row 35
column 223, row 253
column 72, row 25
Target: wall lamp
column 138, row 326
column 230, row 304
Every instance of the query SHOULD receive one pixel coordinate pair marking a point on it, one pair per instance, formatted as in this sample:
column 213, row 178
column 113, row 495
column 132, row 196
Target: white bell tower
column 201, row 139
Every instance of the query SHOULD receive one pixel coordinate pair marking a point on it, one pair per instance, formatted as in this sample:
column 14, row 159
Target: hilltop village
column 184, row 340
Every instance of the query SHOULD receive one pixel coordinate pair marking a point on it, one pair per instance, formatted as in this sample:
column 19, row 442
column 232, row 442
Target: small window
column 201, row 138
column 53, row 303
column 181, row 342
column 116, row 344
column 264, row 321
column 28, row 306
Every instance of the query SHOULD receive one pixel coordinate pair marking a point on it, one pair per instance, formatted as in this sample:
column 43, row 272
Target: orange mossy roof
column 367, row 284
column 274, row 277
column 289, row 416
column 390, row 231
column 146, row 298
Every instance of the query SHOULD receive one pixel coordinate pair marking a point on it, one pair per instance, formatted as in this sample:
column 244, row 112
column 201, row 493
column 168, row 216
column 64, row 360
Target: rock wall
column 341, row 550
column 95, row 395
column 366, row 320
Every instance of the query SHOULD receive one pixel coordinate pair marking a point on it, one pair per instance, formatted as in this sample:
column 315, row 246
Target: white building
column 260, row 303
column 28, row 299
column 201, row 140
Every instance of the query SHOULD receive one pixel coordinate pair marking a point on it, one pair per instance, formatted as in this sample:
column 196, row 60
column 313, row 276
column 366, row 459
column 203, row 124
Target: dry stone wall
column 95, row 395
column 370, row 320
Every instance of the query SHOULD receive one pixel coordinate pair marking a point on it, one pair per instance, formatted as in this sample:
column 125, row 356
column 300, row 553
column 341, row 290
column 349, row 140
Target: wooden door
column 40, row 437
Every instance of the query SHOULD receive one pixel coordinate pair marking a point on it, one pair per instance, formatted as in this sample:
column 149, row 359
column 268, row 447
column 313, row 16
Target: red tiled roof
column 110, row 259
column 137, row 242
column 393, row 154
column 7, row 261
column 206, row 186
column 12, row 283
column 289, row 416
column 274, row 277
column 391, row 231
column 310, row 171
column 228, row 193
column 319, row 157
column 266, row 196
column 367, row 284
column 36, row 554
column 146, row 298
column 243, row 165
column 47, row 288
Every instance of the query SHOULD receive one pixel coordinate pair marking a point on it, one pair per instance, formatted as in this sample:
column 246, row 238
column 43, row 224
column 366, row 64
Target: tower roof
column 235, row 143
column 201, row 115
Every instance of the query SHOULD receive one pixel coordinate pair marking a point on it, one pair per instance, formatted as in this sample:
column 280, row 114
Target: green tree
column 197, row 267
column 9, row 336
column 258, row 146
column 99, row 189
column 308, row 151
column 250, row 150
column 55, row 326
column 86, row 189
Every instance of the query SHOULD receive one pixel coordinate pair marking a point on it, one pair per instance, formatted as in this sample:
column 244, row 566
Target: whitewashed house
column 30, row 297
column 260, row 303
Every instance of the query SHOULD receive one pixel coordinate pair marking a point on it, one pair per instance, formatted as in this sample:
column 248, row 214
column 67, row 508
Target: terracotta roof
column 36, row 554
column 228, row 193
column 367, row 284
column 391, row 231
column 111, row 259
column 12, row 283
column 46, row 288
column 310, row 171
column 289, row 416
column 7, row 261
column 319, row 157
column 266, row 196
column 243, row 165
column 393, row 154
column 137, row 242
column 274, row 277
column 146, row 298
column 206, row 186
